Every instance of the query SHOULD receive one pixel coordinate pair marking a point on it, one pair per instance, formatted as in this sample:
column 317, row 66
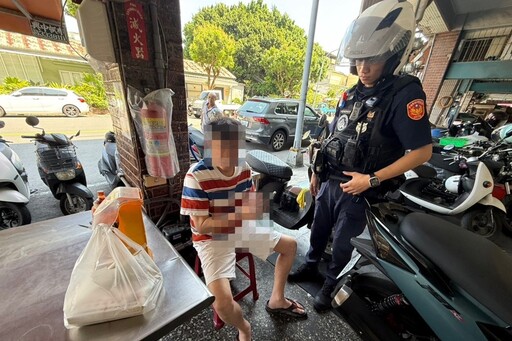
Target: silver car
column 272, row 121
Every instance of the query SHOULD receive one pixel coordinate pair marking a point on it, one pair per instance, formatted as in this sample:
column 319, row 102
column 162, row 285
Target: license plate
column 350, row 265
column 245, row 123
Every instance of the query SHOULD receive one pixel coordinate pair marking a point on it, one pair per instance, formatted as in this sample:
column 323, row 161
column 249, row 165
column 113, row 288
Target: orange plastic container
column 123, row 207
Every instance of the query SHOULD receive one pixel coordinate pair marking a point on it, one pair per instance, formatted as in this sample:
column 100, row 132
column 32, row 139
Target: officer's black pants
column 345, row 214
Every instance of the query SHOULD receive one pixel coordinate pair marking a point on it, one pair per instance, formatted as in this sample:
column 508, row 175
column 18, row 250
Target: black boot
column 303, row 273
column 323, row 298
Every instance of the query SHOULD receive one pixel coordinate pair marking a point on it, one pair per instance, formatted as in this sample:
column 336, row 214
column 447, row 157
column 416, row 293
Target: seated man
column 216, row 196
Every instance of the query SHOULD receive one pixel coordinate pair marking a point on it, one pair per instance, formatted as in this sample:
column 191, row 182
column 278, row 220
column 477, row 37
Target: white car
column 39, row 101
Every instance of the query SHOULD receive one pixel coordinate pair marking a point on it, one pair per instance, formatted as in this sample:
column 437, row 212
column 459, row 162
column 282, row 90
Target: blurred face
column 224, row 152
column 369, row 72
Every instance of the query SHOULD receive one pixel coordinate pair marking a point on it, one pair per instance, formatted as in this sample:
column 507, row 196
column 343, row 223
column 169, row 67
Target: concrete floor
column 326, row 326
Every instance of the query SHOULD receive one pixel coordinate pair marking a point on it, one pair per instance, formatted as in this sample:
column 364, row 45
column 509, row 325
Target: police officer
column 376, row 122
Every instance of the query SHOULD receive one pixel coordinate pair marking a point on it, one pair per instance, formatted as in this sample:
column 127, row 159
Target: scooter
column 270, row 175
column 61, row 170
column 195, row 143
column 427, row 279
column 108, row 164
column 14, row 189
column 466, row 199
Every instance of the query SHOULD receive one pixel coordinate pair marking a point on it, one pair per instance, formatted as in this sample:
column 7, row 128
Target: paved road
column 91, row 127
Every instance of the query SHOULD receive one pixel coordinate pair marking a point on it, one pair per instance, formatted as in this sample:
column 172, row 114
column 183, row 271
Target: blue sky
column 332, row 19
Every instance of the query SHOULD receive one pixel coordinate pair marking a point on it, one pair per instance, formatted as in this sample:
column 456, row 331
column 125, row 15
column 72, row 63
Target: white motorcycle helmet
column 383, row 32
column 501, row 132
column 452, row 184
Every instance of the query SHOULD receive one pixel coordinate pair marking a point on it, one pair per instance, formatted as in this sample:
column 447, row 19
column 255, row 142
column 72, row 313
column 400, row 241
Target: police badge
column 342, row 123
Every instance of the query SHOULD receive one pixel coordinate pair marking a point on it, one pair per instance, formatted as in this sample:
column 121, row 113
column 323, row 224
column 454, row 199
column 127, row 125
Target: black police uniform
column 379, row 124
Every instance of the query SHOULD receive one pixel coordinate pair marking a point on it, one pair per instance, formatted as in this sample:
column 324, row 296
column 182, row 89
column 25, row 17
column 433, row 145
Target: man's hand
column 314, row 185
column 357, row 185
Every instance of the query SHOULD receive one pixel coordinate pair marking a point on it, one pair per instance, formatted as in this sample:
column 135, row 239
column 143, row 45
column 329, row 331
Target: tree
column 284, row 68
column 256, row 29
column 71, row 8
column 213, row 49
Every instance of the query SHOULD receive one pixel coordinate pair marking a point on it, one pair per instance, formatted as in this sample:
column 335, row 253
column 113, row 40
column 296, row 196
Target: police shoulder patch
column 416, row 109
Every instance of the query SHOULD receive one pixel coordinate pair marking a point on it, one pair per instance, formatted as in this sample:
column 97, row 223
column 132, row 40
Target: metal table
column 36, row 261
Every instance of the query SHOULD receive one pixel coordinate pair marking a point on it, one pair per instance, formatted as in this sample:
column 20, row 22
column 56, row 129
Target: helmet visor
column 373, row 38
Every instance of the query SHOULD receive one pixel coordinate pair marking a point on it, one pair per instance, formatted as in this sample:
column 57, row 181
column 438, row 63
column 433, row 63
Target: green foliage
column 92, row 89
column 313, row 98
column 71, row 8
column 260, row 33
column 213, row 49
column 11, row 84
column 284, row 67
column 237, row 101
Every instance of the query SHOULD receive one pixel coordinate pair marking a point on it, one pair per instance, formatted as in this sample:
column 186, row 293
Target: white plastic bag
column 109, row 282
column 152, row 116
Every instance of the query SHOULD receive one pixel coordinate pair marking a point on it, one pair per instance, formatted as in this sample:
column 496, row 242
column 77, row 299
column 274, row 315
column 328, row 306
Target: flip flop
column 288, row 311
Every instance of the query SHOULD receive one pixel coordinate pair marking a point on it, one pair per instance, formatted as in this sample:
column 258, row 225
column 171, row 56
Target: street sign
column 49, row 30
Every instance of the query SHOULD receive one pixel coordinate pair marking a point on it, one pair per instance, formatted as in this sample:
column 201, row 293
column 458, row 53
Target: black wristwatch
column 374, row 180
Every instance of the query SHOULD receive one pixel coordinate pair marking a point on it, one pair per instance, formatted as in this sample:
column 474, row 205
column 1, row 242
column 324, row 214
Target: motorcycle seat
column 267, row 163
column 474, row 263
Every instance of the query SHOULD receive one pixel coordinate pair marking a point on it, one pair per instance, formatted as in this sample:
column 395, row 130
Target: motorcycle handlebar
column 29, row 137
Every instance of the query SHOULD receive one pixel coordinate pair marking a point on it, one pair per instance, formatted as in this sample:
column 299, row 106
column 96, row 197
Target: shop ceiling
column 447, row 15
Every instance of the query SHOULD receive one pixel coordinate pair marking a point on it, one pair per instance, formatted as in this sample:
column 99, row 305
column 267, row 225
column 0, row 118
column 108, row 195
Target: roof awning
column 38, row 18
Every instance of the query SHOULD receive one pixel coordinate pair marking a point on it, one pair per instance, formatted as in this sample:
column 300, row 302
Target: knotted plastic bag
column 108, row 282
column 152, row 115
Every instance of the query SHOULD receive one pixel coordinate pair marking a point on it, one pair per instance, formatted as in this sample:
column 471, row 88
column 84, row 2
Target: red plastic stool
column 251, row 274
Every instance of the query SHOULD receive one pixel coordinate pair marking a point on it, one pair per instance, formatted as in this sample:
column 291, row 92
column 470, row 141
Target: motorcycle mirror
column 306, row 135
column 448, row 147
column 322, row 120
column 32, row 121
column 2, row 124
column 77, row 134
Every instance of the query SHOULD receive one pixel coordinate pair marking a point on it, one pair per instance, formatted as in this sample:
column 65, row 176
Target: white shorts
column 218, row 255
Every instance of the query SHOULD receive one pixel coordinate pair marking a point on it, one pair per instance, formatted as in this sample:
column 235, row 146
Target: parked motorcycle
column 271, row 176
column 433, row 281
column 109, row 164
column 14, row 189
column 466, row 198
column 61, row 170
column 195, row 143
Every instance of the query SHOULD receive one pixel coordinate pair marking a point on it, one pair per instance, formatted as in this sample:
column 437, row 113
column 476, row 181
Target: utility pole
column 294, row 158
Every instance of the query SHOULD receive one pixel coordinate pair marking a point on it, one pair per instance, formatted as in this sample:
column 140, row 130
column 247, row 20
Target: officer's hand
column 357, row 185
column 313, row 185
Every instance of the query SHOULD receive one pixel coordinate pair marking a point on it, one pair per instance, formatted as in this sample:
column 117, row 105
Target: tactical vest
column 357, row 142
